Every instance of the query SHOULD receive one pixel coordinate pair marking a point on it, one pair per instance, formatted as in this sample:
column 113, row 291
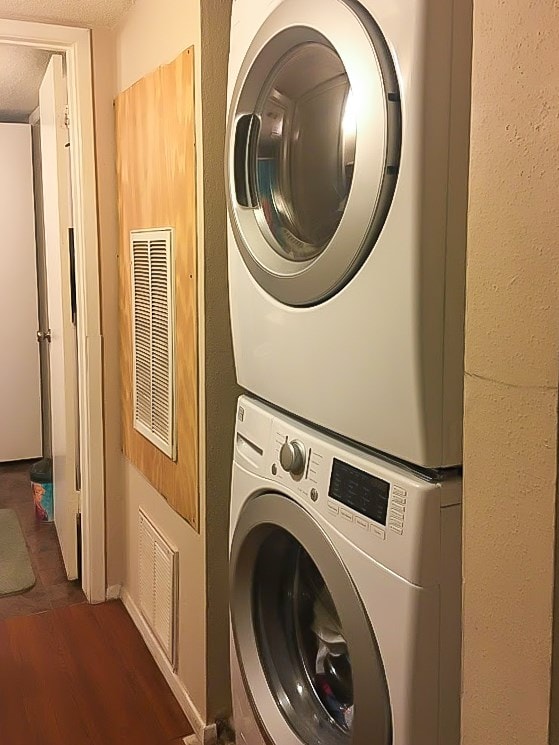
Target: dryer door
column 314, row 138
column 306, row 649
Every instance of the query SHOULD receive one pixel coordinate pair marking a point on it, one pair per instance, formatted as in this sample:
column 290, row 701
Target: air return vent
column 158, row 581
column 153, row 336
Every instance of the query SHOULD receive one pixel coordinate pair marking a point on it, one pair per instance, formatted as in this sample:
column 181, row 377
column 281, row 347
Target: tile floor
column 52, row 589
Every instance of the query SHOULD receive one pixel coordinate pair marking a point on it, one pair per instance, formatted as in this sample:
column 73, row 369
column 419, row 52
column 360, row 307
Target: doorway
column 77, row 381
column 38, row 296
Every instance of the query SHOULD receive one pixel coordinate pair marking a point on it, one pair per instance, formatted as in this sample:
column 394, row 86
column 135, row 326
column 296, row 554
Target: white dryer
column 346, row 178
column 345, row 592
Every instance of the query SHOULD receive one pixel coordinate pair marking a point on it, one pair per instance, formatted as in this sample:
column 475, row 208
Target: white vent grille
column 153, row 336
column 158, row 568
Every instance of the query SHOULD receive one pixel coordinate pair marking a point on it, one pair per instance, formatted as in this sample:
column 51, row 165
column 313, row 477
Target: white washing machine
column 347, row 169
column 345, row 592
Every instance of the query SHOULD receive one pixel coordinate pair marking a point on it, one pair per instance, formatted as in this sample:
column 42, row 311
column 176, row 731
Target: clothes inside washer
column 332, row 667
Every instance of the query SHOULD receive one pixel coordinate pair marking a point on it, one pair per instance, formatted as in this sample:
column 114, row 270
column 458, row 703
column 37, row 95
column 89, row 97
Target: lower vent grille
column 158, row 575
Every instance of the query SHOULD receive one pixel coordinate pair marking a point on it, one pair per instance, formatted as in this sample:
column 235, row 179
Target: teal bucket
column 41, row 484
column 44, row 503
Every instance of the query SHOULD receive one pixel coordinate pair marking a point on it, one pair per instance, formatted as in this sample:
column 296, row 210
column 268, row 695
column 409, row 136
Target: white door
column 62, row 355
column 20, row 397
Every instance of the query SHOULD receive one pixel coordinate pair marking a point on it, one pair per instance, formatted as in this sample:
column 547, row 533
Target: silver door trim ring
column 350, row 31
column 372, row 722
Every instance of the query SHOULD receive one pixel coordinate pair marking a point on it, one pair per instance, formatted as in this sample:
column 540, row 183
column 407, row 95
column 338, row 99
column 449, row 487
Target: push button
column 333, row 508
column 346, row 514
column 379, row 532
column 362, row 523
column 398, row 491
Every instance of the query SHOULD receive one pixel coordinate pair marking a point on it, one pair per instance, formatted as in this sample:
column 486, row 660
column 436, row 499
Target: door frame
column 75, row 44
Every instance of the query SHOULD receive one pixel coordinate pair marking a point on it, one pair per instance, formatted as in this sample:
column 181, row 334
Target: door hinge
column 67, row 117
column 44, row 336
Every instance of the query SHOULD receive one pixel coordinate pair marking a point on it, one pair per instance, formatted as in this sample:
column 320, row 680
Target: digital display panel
column 359, row 490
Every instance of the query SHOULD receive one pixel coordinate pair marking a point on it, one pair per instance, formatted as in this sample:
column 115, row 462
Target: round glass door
column 301, row 642
column 305, row 151
column 314, row 140
column 306, row 649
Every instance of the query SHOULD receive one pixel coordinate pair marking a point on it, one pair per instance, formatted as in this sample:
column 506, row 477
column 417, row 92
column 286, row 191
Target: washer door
column 314, row 139
column 308, row 655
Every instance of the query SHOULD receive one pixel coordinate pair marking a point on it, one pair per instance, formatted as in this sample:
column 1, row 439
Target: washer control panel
column 390, row 512
column 344, row 491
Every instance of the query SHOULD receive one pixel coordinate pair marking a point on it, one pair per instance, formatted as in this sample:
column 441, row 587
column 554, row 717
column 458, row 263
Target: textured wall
column 554, row 712
column 220, row 389
column 510, row 428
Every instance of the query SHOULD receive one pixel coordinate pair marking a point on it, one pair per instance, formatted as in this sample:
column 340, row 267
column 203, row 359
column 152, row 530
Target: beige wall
column 152, row 33
column 192, row 593
column 104, row 84
column 218, row 381
column 510, row 443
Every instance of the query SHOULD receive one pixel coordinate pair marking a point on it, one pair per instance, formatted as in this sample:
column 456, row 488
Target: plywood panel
column 157, row 188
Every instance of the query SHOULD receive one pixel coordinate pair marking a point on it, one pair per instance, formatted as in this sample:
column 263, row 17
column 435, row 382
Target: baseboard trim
column 205, row 733
column 210, row 735
column 113, row 592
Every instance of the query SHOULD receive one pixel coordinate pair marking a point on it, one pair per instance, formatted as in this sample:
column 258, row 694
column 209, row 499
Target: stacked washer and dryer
column 346, row 175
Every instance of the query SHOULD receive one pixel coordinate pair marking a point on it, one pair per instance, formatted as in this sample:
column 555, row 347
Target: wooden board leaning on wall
column 156, row 173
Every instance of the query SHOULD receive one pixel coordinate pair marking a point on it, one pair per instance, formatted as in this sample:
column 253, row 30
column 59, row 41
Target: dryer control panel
column 393, row 514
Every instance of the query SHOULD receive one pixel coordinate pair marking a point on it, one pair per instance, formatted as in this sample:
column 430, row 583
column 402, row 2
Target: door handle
column 244, row 156
column 44, row 336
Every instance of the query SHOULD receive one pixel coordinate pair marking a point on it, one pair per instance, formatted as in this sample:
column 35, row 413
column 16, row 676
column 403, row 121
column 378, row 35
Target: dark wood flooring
column 52, row 589
column 82, row 675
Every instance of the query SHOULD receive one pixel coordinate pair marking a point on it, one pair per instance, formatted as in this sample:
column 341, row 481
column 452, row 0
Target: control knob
column 292, row 457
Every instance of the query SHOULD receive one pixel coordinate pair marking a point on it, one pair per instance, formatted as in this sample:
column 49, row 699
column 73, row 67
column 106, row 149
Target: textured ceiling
column 90, row 13
column 21, row 72
column 22, row 68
